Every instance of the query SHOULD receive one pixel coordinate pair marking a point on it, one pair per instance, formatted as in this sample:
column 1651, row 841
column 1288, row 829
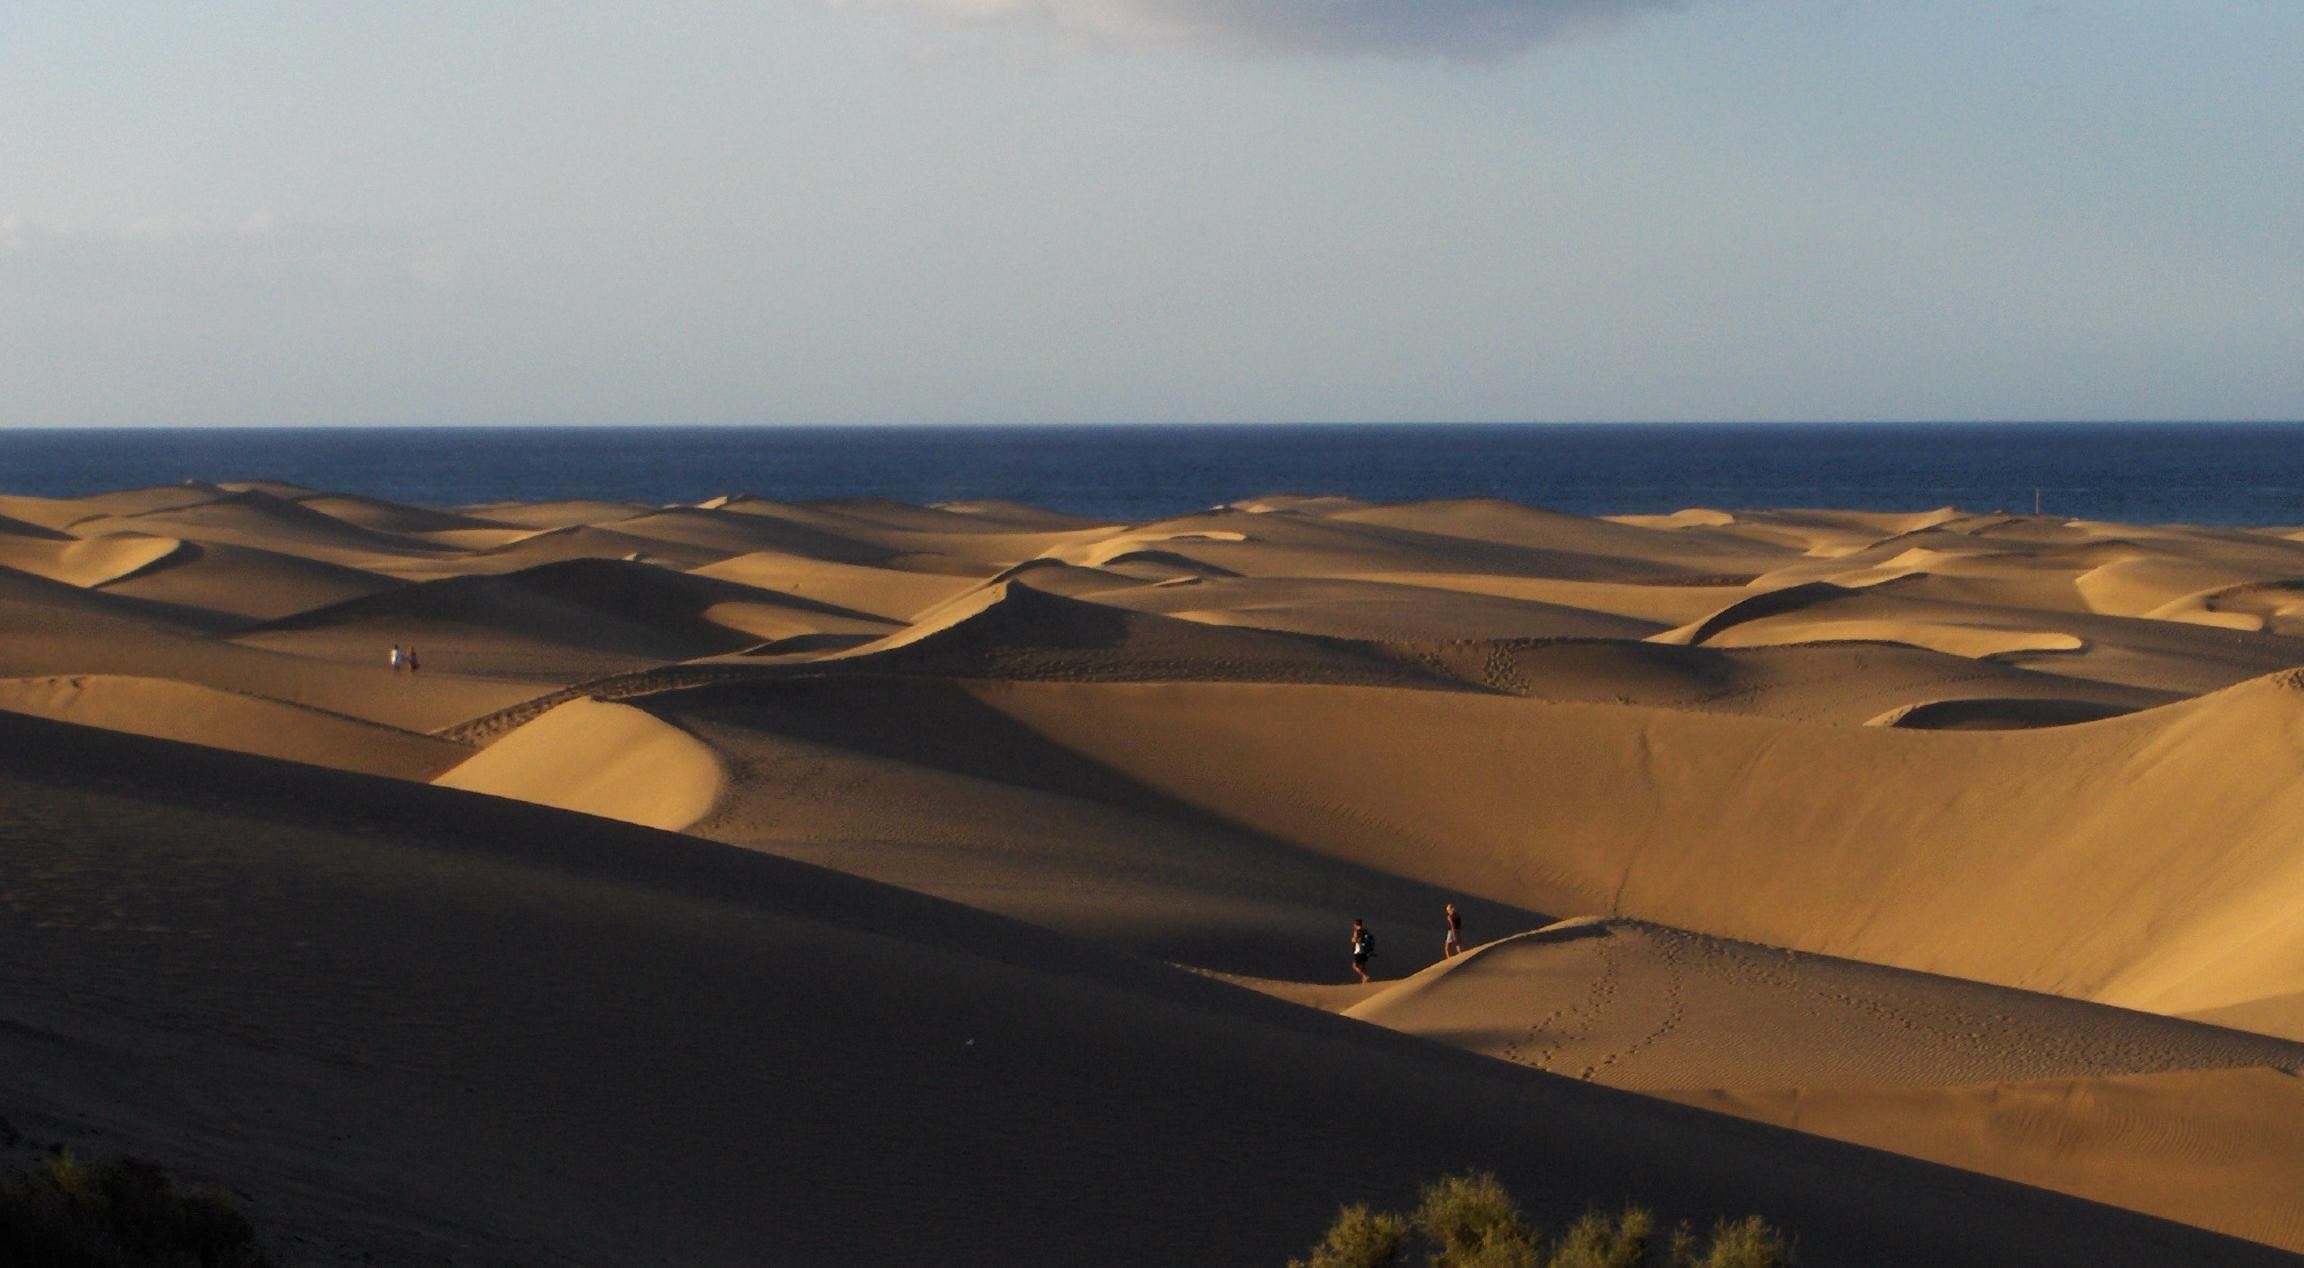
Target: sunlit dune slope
column 2216, row 1148
column 2131, row 861
column 1641, row 1005
column 197, row 714
column 600, row 759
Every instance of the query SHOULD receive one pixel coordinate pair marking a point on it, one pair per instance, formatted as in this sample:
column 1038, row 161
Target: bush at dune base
column 121, row 1214
column 1469, row 1221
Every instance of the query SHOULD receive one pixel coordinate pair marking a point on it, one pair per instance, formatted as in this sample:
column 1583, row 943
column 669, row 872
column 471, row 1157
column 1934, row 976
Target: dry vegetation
column 1471, row 1221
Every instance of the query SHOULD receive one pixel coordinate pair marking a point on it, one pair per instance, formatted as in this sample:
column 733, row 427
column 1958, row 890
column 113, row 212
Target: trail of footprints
column 1558, row 1034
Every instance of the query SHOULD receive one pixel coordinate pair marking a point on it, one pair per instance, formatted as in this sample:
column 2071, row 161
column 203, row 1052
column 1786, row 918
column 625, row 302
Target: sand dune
column 1640, row 1005
column 242, row 585
column 391, row 518
column 1372, row 610
column 85, row 562
column 262, row 520
column 601, row 759
column 429, row 1027
column 1835, row 682
column 592, row 612
column 2217, row 1148
column 2165, row 857
column 1292, row 543
column 893, row 531
column 2162, row 654
column 563, row 545
column 568, row 513
column 1939, row 833
column 1023, row 632
column 196, row 714
column 888, row 593
column 64, row 513
column 1997, row 713
column 1507, row 523
column 729, row 533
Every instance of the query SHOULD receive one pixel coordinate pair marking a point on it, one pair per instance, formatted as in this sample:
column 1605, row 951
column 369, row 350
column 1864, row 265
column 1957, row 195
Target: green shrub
column 122, row 1214
column 1470, row 1221
column 1474, row 1223
column 1360, row 1238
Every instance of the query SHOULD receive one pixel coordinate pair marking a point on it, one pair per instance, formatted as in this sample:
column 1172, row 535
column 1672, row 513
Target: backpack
column 1367, row 941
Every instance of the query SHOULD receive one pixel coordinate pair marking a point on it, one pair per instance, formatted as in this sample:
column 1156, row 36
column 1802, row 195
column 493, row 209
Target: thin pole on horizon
column 2035, row 499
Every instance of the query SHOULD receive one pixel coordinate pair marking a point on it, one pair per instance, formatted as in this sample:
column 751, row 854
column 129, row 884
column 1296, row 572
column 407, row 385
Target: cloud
column 1387, row 28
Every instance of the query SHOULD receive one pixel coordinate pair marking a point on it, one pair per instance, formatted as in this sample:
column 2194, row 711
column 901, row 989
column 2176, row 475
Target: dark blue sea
column 2200, row 473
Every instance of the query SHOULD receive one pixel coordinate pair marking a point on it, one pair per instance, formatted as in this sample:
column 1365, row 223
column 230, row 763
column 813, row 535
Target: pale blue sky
column 379, row 211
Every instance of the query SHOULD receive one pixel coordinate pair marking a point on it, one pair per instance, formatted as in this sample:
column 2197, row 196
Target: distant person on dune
column 411, row 658
column 1453, row 944
column 1363, row 947
column 395, row 658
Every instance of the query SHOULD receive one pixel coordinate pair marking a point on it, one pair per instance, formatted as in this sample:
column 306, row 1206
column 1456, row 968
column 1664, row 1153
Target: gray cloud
column 1390, row 28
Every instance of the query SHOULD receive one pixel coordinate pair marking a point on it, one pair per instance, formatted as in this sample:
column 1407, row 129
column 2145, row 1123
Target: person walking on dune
column 1453, row 944
column 394, row 660
column 1363, row 948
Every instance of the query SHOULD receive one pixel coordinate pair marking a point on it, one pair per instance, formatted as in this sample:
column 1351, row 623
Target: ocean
column 2198, row 473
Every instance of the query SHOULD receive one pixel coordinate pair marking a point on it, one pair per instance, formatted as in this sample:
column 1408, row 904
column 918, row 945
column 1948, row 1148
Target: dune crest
column 596, row 758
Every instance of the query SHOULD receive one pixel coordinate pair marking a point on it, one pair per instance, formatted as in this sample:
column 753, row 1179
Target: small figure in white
column 395, row 660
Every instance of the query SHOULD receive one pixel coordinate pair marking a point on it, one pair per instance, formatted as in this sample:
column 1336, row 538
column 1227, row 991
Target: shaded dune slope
column 1017, row 630
column 611, row 606
column 501, row 1020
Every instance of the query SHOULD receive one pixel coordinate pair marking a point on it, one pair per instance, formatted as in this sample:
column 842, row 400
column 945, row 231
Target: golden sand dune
column 1641, row 1005
column 728, row 533
column 601, row 759
column 880, row 531
column 63, row 513
column 426, row 1026
column 2115, row 1106
column 595, row 612
column 413, row 1019
column 563, row 545
column 569, row 513
column 1024, row 632
column 242, row 585
column 1831, row 682
column 1507, row 523
column 2165, row 654
column 196, row 714
column 394, row 518
column 1931, row 850
column 1373, row 610
column 1295, row 543
column 86, row 562
column 888, row 593
column 255, row 518
column 2218, row 1148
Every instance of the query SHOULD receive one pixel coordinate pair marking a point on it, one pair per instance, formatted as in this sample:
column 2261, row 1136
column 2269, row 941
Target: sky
column 374, row 212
